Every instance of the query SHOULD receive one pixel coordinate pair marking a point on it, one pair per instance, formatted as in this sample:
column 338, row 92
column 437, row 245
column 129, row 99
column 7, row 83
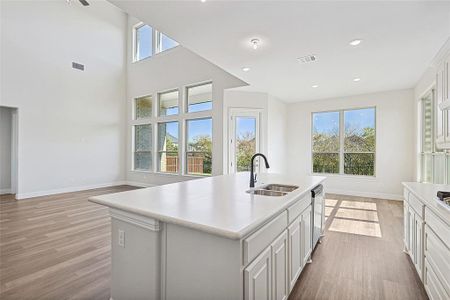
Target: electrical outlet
column 121, row 238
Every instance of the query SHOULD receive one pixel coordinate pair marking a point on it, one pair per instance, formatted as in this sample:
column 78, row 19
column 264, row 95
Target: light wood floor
column 55, row 247
column 58, row 247
column 361, row 255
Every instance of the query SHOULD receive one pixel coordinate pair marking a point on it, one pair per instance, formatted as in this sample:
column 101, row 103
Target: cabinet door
column 295, row 265
column 306, row 233
column 418, row 246
column 280, row 267
column 257, row 277
column 411, row 246
column 406, row 225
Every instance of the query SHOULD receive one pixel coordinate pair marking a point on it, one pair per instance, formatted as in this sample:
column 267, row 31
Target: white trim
column 68, row 190
column 442, row 53
column 5, row 191
column 384, row 196
column 137, row 220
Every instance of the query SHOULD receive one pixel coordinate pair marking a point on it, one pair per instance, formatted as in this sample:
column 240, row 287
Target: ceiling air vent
column 307, row 59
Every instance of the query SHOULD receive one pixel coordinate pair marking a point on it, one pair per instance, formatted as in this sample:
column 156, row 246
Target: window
column 343, row 142
column 168, row 147
column 434, row 162
column 143, row 107
column 143, row 147
column 359, row 142
column 199, row 146
column 325, row 142
column 166, row 42
column 168, row 103
column 143, row 42
column 158, row 142
column 199, row 97
column 147, row 41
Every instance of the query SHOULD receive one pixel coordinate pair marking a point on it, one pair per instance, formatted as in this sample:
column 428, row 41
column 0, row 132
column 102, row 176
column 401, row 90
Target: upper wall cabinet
column 443, row 104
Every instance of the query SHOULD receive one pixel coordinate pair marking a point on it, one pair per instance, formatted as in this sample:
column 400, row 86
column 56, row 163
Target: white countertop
column 427, row 193
column 218, row 205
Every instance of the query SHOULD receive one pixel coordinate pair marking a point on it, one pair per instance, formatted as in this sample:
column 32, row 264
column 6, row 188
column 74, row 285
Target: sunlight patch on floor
column 359, row 205
column 356, row 227
column 331, row 202
column 363, row 215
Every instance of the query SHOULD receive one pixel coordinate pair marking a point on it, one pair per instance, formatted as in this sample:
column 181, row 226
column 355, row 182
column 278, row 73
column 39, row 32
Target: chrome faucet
column 253, row 176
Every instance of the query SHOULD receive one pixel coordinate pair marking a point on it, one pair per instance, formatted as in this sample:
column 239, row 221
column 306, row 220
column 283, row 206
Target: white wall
column 277, row 135
column 395, row 153
column 5, row 149
column 175, row 68
column 71, row 123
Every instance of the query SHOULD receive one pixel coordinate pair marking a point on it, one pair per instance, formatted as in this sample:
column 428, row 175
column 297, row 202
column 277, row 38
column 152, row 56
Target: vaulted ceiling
column 399, row 40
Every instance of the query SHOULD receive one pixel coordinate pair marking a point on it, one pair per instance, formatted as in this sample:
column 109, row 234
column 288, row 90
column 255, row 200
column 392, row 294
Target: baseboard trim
column 5, row 191
column 384, row 196
column 21, row 196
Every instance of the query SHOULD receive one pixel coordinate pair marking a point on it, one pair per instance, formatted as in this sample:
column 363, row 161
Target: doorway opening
column 8, row 150
column 244, row 138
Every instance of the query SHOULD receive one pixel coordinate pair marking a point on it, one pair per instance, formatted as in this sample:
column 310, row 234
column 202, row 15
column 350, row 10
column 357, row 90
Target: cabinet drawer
column 433, row 286
column 296, row 209
column 261, row 239
column 440, row 228
column 416, row 204
column 438, row 256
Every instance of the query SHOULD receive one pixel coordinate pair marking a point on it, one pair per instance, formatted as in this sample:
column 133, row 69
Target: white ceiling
column 400, row 39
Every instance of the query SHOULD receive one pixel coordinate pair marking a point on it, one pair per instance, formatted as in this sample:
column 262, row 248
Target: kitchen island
column 210, row 239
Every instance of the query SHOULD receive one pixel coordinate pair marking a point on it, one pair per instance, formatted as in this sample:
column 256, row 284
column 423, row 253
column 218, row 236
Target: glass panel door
column 244, row 139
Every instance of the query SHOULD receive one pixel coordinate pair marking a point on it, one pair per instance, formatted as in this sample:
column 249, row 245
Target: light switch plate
column 121, row 238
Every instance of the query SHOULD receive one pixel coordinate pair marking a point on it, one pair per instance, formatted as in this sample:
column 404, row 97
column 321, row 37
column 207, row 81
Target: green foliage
column 171, row 146
column 245, row 147
column 356, row 142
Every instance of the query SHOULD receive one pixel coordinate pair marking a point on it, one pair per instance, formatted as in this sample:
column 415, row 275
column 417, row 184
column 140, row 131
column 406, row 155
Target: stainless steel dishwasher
column 318, row 206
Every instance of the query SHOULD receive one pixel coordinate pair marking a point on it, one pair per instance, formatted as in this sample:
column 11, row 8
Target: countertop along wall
column 71, row 122
column 395, row 132
column 174, row 68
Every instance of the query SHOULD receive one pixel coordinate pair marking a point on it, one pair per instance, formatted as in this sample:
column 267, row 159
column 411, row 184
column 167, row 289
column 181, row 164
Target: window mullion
column 341, row 142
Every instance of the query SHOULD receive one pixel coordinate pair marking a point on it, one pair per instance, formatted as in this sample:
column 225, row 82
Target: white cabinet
column 267, row 277
column 427, row 241
column 280, row 279
column 306, row 234
column 295, row 261
column 257, row 277
column 418, row 245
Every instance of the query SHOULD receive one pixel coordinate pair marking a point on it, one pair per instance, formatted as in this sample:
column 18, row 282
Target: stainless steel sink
column 280, row 187
column 266, row 193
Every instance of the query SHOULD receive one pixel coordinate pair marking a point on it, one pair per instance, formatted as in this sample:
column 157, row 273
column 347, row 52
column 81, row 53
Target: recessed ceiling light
column 245, row 69
column 203, row 1
column 315, row 86
column 355, row 42
column 255, row 43
column 356, row 79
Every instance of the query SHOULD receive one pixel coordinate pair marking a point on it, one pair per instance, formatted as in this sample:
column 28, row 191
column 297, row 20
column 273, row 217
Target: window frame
column 135, row 42
column 158, row 109
column 156, row 42
column 152, row 150
column 342, row 152
column 186, row 100
column 158, row 167
column 182, row 117
column 185, row 152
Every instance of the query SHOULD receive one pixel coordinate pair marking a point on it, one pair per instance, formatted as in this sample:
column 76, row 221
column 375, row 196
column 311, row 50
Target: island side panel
column 136, row 265
column 200, row 265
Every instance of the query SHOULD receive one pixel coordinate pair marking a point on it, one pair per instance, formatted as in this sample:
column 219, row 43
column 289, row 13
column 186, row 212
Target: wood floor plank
column 58, row 247
column 55, row 247
column 355, row 263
